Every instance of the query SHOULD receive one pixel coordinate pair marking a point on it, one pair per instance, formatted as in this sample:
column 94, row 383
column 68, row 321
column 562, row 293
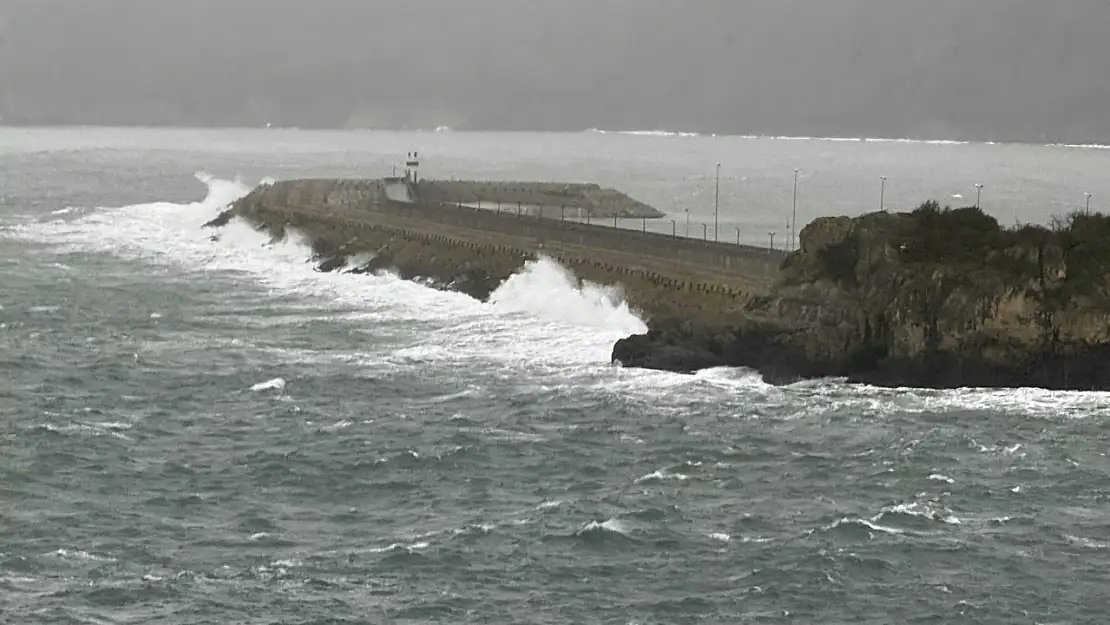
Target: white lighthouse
column 412, row 167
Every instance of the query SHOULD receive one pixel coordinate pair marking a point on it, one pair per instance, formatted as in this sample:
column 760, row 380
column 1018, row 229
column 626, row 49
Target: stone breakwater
column 474, row 250
column 555, row 200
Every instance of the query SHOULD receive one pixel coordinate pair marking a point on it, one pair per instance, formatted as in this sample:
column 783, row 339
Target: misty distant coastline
column 678, row 135
column 1013, row 71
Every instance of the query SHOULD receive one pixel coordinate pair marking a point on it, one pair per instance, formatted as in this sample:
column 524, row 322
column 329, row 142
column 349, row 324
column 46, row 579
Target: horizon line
column 643, row 133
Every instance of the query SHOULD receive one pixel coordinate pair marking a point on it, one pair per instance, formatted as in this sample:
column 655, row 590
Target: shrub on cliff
column 961, row 235
column 1084, row 242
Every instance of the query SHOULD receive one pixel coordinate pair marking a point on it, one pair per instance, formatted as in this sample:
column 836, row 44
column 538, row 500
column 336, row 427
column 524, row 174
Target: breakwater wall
column 545, row 197
column 660, row 275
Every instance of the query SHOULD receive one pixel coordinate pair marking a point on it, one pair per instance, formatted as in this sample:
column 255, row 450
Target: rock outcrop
column 933, row 298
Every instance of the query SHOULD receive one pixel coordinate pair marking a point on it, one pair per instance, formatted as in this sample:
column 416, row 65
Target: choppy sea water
column 199, row 431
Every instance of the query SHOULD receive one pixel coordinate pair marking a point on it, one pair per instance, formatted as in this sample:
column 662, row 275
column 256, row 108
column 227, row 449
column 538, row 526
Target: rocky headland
column 935, row 298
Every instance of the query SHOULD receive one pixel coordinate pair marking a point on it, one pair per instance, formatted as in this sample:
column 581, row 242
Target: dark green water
column 197, row 431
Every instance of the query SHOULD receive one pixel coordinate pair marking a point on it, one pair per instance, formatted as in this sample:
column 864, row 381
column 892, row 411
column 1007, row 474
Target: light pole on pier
column 738, row 235
column 794, row 215
column 687, row 223
column 978, row 193
column 772, row 235
column 705, row 232
column 716, row 201
column 1088, row 202
column 882, row 193
column 673, row 228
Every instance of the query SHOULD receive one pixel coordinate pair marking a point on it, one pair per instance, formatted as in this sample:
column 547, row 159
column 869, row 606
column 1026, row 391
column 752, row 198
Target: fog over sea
column 209, row 431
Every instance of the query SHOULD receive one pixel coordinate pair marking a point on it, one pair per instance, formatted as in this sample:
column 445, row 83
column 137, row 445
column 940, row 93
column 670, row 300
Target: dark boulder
column 647, row 351
column 332, row 263
column 382, row 261
column 221, row 220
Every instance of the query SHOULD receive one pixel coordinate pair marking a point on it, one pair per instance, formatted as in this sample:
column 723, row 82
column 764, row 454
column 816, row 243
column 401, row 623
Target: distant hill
column 1010, row 70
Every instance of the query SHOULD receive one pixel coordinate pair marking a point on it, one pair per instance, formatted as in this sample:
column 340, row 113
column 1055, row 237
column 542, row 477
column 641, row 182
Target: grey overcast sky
column 1010, row 70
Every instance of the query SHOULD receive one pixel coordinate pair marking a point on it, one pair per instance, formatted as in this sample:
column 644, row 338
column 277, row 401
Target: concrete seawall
column 546, row 197
column 550, row 199
column 660, row 275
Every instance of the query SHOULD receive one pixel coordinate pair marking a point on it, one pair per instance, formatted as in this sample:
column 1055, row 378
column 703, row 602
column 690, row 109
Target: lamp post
column 882, row 193
column 1088, row 203
column 794, row 215
column 738, row 235
column 687, row 223
column 978, row 193
column 772, row 235
column 716, row 201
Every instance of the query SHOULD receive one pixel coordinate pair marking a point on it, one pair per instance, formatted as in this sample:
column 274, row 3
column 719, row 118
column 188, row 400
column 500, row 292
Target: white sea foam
column 399, row 547
column 661, row 476
column 78, row 554
column 90, row 429
column 1088, row 543
column 1083, row 146
column 609, row 525
column 275, row 384
column 1023, row 403
column 644, row 133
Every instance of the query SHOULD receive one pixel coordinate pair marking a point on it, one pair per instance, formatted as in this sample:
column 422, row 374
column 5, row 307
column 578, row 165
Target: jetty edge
column 933, row 298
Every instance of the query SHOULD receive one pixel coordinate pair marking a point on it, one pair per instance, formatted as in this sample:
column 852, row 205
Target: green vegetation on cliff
column 1069, row 258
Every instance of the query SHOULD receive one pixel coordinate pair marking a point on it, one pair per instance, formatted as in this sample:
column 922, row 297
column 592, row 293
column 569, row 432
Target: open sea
column 199, row 431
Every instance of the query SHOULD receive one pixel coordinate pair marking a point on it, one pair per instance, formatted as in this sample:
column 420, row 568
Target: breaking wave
column 543, row 304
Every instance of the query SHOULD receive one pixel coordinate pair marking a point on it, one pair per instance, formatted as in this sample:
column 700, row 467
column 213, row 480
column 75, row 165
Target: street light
column 687, row 223
column 716, row 201
column 978, row 193
column 1088, row 203
column 772, row 235
column 882, row 193
column 794, row 215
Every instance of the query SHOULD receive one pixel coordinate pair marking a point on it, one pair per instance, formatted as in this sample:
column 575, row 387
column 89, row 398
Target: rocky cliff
column 932, row 298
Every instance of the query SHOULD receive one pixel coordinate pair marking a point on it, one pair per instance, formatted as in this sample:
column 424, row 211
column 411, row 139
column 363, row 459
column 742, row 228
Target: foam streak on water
column 197, row 430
